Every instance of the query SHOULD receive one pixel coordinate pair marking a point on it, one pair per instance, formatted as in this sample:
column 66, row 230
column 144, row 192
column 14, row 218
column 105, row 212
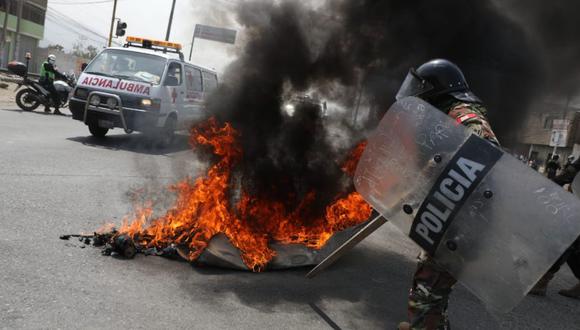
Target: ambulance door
column 210, row 82
column 194, row 93
column 173, row 99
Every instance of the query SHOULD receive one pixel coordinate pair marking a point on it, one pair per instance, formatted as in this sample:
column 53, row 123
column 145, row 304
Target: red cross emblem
column 174, row 95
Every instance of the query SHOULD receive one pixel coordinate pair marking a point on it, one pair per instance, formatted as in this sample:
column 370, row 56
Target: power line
column 76, row 27
column 73, row 22
column 76, row 3
column 85, row 36
column 62, row 19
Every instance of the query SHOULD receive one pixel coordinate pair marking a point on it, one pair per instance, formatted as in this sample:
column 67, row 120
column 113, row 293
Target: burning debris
column 206, row 222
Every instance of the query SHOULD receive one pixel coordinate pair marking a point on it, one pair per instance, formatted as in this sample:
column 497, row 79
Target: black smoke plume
column 555, row 28
column 349, row 46
column 383, row 39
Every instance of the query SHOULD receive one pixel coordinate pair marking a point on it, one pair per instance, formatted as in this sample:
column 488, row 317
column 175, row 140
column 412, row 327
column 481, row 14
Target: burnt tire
column 97, row 131
column 27, row 100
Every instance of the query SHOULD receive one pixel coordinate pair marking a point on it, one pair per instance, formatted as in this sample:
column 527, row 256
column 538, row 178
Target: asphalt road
column 54, row 180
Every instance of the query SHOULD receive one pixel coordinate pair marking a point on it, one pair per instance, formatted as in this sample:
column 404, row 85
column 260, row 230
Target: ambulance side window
column 193, row 79
column 209, row 82
column 174, row 75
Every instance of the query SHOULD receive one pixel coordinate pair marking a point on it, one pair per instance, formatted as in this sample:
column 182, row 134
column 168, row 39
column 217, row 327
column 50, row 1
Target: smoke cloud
column 342, row 49
column 554, row 27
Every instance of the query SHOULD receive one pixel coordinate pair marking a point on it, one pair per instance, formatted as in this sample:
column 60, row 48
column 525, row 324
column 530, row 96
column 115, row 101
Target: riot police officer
column 442, row 84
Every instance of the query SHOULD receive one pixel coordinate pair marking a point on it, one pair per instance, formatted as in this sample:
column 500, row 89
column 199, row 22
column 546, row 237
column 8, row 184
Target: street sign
column 215, row 34
column 559, row 138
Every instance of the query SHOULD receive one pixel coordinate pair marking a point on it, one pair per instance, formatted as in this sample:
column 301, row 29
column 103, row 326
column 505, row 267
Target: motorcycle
column 34, row 95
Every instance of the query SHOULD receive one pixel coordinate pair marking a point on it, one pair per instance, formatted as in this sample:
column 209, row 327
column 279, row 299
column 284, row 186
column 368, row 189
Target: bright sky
column 147, row 18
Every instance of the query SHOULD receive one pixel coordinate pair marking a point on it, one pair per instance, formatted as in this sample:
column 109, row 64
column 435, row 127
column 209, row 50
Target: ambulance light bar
column 157, row 45
column 147, row 43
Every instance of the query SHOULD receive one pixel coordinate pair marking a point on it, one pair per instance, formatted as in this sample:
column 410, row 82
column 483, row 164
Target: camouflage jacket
column 473, row 116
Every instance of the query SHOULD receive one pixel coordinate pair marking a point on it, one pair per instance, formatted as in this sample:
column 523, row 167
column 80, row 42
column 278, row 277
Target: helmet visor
column 413, row 85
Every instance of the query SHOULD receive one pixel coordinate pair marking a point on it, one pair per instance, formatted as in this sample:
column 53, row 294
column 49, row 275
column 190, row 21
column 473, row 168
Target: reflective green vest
column 45, row 74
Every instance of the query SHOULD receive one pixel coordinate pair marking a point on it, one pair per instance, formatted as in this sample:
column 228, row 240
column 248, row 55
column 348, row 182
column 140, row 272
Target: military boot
column 573, row 292
column 541, row 287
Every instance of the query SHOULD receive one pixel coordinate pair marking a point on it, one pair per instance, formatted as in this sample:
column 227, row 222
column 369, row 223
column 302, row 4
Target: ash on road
column 54, row 179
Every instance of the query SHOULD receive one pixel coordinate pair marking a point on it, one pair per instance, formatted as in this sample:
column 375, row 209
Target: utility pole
column 113, row 23
column 19, row 7
column 3, row 50
column 566, row 128
column 170, row 21
column 360, row 94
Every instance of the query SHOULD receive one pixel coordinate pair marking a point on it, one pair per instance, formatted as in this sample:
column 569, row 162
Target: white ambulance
column 145, row 86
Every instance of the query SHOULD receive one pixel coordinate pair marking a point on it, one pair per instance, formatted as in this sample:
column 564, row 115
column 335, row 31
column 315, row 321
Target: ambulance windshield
column 128, row 65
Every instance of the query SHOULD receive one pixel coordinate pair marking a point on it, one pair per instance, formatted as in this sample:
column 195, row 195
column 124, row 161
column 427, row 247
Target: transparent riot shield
column 492, row 222
column 575, row 186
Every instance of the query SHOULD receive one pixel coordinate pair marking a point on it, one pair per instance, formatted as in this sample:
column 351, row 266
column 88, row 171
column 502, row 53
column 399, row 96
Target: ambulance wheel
column 98, row 131
column 168, row 132
column 27, row 100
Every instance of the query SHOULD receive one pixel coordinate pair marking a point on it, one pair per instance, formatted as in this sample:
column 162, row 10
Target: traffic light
column 121, row 27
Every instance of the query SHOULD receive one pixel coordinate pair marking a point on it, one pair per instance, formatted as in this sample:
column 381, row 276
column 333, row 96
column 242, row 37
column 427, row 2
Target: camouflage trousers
column 429, row 296
column 572, row 257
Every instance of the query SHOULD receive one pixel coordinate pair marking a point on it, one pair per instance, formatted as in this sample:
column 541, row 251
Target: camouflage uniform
column 474, row 116
column 432, row 285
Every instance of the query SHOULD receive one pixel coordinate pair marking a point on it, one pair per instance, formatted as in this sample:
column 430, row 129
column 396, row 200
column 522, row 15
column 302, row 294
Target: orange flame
column 202, row 210
column 349, row 167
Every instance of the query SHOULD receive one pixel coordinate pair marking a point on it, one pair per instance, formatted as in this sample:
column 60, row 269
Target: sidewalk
column 7, row 95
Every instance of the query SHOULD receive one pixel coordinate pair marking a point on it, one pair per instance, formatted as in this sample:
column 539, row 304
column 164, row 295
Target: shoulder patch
column 464, row 118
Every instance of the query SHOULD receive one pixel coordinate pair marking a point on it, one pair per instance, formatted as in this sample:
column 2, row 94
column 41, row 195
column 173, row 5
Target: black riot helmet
column 437, row 78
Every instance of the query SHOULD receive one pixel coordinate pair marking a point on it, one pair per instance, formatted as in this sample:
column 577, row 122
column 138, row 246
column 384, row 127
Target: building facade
column 31, row 28
column 552, row 127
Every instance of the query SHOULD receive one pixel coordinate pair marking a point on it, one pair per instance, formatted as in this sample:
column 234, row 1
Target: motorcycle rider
column 48, row 74
column 442, row 84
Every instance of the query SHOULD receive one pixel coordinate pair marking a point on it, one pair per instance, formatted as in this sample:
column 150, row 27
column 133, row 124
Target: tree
column 56, row 47
column 88, row 52
column 92, row 52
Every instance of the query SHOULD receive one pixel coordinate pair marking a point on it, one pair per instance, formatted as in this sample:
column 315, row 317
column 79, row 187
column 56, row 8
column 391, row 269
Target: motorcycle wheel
column 27, row 100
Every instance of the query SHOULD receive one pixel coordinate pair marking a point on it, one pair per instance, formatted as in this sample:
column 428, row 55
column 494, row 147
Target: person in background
column 533, row 164
column 553, row 167
column 48, row 74
column 572, row 255
column 569, row 161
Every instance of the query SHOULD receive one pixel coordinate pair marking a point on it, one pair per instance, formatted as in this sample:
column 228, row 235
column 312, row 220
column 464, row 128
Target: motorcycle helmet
column 51, row 59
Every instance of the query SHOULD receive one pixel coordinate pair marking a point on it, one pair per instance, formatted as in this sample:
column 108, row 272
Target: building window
column 29, row 12
column 33, row 14
column 549, row 121
column 12, row 8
